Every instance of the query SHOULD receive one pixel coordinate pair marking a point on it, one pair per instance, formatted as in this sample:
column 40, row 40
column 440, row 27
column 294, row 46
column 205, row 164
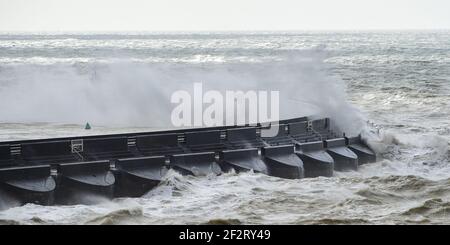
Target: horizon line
column 226, row 31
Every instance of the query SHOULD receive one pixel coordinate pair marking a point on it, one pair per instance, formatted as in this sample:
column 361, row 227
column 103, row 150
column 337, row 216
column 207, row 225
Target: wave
column 250, row 198
column 121, row 216
column 9, row 222
column 331, row 221
column 138, row 93
column 433, row 207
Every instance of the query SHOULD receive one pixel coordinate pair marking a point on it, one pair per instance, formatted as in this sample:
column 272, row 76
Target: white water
column 50, row 86
column 138, row 94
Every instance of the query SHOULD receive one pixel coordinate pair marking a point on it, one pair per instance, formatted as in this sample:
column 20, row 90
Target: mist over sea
column 393, row 87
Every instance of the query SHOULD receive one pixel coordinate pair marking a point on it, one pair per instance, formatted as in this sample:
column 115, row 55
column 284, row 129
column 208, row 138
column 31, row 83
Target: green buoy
column 88, row 126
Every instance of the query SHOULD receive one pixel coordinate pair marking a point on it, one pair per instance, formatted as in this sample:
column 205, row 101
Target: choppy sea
column 393, row 87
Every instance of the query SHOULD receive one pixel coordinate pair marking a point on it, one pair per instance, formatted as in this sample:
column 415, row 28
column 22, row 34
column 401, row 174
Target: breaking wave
column 138, row 93
column 251, row 198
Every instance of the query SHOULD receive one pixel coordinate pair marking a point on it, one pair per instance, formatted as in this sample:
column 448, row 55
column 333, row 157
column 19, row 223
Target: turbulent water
column 399, row 82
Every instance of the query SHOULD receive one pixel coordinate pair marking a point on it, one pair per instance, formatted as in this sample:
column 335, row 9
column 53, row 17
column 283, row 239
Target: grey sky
column 187, row 15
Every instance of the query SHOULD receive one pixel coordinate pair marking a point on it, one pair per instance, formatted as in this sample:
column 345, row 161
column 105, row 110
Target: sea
column 392, row 87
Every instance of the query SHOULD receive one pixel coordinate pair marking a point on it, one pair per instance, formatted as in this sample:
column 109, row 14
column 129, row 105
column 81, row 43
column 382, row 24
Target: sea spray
column 138, row 94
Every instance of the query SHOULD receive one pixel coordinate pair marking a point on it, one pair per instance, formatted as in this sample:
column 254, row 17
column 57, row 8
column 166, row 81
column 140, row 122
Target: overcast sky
column 189, row 15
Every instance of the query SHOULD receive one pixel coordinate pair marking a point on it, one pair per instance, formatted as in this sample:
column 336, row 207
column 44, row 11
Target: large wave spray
column 138, row 93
